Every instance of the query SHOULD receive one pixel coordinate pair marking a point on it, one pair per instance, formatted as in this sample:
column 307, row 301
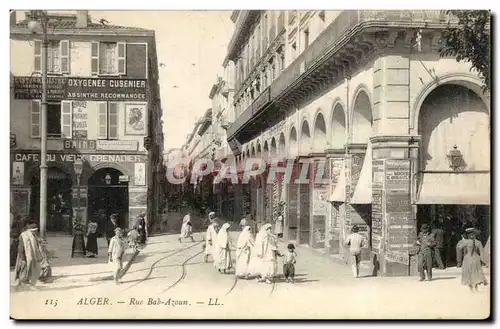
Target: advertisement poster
column 80, row 120
column 135, row 119
column 17, row 173
column 140, row 174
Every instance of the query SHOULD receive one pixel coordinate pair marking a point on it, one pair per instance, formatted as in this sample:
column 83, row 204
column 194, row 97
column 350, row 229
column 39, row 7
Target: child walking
column 289, row 263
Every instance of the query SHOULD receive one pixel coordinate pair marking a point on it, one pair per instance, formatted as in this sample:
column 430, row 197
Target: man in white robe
column 210, row 239
column 186, row 229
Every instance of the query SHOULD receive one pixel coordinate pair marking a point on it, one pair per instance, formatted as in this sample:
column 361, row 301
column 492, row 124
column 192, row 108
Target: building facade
column 104, row 113
column 402, row 132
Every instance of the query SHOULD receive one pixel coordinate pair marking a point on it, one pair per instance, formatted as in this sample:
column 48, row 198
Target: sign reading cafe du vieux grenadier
column 65, row 88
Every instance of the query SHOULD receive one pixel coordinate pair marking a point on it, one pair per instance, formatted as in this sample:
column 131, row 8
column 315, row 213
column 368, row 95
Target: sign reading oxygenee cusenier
column 64, row 88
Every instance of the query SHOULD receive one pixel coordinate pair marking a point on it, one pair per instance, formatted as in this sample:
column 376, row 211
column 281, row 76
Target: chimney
column 13, row 18
column 82, row 18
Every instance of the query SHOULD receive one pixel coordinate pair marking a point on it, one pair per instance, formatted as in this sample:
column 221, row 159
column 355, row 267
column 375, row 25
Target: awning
column 363, row 191
column 338, row 193
column 455, row 188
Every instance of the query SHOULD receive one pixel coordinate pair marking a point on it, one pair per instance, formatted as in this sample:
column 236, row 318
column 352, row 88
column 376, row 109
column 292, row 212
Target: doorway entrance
column 454, row 219
column 107, row 196
column 59, row 208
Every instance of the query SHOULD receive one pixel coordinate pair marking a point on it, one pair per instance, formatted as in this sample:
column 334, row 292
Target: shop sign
column 123, row 178
column 64, row 88
column 60, row 157
column 107, row 145
column 80, row 119
column 397, row 257
column 79, row 144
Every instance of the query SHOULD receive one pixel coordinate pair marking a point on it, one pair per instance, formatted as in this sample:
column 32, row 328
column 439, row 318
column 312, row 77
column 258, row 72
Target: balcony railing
column 345, row 22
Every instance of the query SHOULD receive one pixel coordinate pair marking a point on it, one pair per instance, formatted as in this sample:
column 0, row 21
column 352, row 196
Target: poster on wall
column 17, row 173
column 80, row 120
column 135, row 119
column 20, row 201
column 140, row 174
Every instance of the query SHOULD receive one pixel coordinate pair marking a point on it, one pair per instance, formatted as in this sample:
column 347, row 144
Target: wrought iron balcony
column 347, row 21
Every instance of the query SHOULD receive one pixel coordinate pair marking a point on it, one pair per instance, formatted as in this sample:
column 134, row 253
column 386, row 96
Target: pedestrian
column 472, row 271
column 439, row 248
column 255, row 264
column 210, row 239
column 243, row 251
column 29, row 257
column 278, row 225
column 111, row 226
column 187, row 228
column 243, row 223
column 140, row 227
column 117, row 247
column 425, row 242
column 289, row 263
column 270, row 253
column 355, row 242
column 459, row 249
column 91, row 247
column 211, row 217
column 222, row 250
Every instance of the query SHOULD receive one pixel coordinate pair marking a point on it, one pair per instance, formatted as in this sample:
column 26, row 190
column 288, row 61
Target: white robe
column 186, row 230
column 210, row 240
column 269, row 265
column 222, row 249
column 243, row 251
column 254, row 266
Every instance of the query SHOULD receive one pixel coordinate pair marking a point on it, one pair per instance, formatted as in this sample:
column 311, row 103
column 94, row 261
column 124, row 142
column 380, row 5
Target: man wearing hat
column 425, row 241
column 117, row 247
column 355, row 242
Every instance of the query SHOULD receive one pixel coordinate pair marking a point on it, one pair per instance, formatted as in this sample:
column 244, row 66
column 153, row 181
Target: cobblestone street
column 168, row 270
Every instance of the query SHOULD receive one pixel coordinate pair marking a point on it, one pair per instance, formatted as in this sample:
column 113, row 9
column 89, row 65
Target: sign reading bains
column 64, row 88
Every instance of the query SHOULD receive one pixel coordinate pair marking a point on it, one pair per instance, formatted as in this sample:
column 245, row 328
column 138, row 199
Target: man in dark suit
column 439, row 247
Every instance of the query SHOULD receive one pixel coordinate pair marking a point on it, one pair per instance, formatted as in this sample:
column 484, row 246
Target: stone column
column 394, row 217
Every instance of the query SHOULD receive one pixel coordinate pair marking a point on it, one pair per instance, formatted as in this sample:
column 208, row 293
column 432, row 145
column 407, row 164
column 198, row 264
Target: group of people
column 470, row 256
column 256, row 257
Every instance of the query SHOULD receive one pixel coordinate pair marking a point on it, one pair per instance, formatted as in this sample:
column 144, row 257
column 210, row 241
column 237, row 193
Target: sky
column 192, row 46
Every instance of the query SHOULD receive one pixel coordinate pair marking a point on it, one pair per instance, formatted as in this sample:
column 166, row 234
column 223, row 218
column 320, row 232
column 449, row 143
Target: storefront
column 109, row 183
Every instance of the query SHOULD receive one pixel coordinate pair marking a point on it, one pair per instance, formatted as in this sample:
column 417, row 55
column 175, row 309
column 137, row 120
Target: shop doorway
column 107, row 196
column 454, row 219
column 59, row 208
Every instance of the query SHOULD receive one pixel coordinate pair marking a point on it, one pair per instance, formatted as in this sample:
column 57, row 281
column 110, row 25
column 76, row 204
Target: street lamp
column 37, row 25
column 78, row 241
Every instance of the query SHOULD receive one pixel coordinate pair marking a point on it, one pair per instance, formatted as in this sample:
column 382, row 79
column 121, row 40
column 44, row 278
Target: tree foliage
column 469, row 41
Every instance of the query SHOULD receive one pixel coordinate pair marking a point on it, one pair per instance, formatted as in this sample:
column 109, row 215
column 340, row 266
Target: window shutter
column 38, row 56
column 122, row 58
column 67, row 119
column 94, row 50
column 64, row 50
column 103, row 120
column 113, row 120
column 35, row 118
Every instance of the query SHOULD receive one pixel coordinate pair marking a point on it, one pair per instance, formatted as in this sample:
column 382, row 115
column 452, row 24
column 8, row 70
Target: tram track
column 184, row 272
column 160, row 260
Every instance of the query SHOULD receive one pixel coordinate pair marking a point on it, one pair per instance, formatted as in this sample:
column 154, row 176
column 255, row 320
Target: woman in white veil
column 243, row 252
column 255, row 264
column 222, row 250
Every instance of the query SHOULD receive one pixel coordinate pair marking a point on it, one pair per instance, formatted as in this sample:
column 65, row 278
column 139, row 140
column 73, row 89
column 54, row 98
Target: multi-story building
column 221, row 95
column 104, row 115
column 405, row 132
